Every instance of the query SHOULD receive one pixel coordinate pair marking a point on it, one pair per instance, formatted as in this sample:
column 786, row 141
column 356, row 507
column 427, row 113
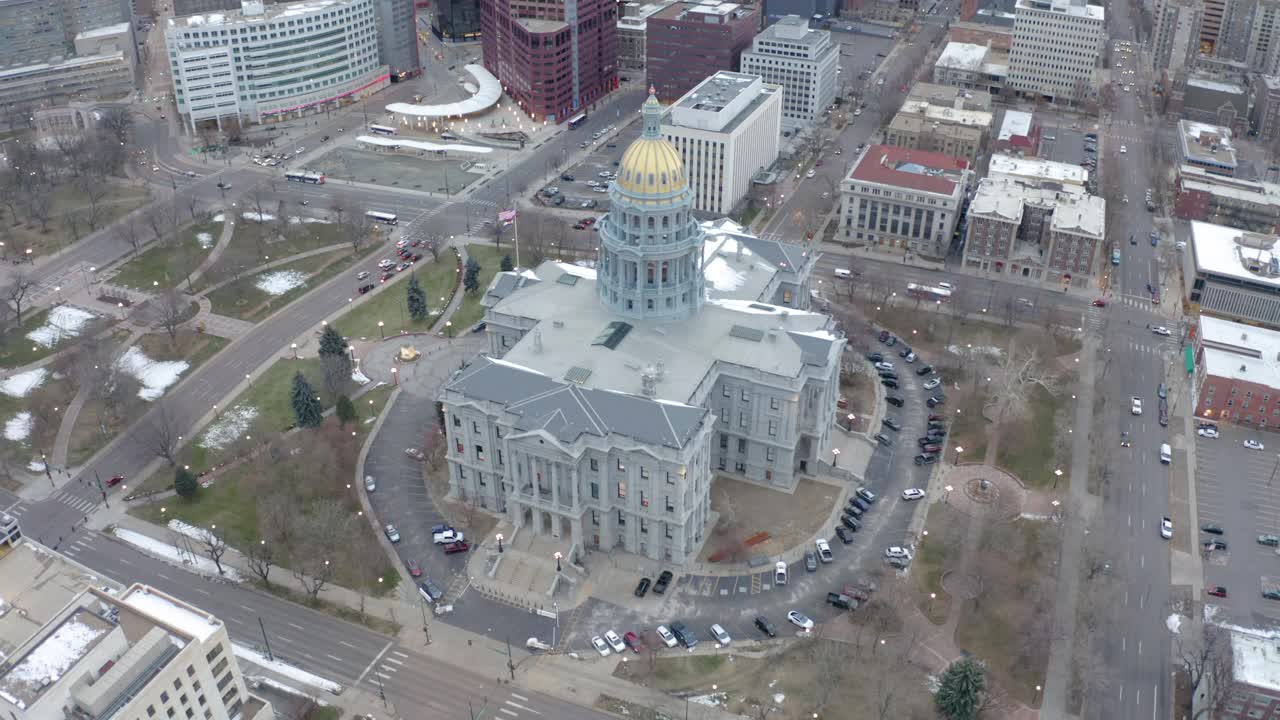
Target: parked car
column 891, row 384
column 1166, row 528
column 1270, row 540
column 1211, row 528
column 799, row 619
column 810, row 561
column 843, row 602
column 924, row 370
column 780, row 573
column 682, row 633
column 364, row 289
column 883, row 439
column 1207, row 432
column 1217, row 591
column 664, row 579
column 719, row 635
column 447, row 536
column 824, row 550
column 875, row 357
column 845, row 534
column 913, row 494
column 430, row 591
column 642, row 587
column 392, row 534
column 892, row 424
column 932, row 383
column 615, row 641
column 456, row 547
column 1253, row 444
column 897, row 551
column 765, row 626
column 415, row 454
column 600, row 646
column 935, row 401
column 633, row 641
column 894, row 400
column 866, row 494
column 884, row 336
column 923, row 459
column 415, row 570
column 666, row 636
column 850, row 522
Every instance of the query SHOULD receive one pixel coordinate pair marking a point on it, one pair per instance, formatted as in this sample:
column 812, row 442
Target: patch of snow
column 289, row 671
column 54, row 655
column 295, row 220
column 64, row 321
column 191, row 531
column 155, row 375
column 35, row 466
column 1173, row 622
column 1034, row 516
column 359, row 378
column 255, row 680
column 196, row 563
column 778, row 698
column 259, row 217
column 18, row 427
column 280, row 281
column 714, row 699
column 219, row 218
column 197, row 624
column 205, row 240
column 722, row 277
column 980, row 349
column 22, row 384
column 228, row 427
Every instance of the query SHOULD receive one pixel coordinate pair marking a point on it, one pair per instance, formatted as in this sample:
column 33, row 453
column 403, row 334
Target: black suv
column 894, row 401
column 875, row 357
column 925, row 459
column 765, row 626
column 850, row 522
column 845, row 535
column 684, row 635
column 892, row 424
column 924, row 370
column 664, row 580
column 642, row 587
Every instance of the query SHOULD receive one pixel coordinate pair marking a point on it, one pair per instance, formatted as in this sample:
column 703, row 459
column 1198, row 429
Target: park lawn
column 438, row 278
column 946, row 526
column 120, row 200
column 968, row 426
column 243, row 299
column 19, row 350
column 169, row 264
column 470, row 311
column 1028, row 452
column 54, row 393
column 299, row 237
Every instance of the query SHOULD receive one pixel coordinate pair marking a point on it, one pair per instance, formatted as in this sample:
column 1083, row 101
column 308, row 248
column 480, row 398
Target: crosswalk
column 82, row 505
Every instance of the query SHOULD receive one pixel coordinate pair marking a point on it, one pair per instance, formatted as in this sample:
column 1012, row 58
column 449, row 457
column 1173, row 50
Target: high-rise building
column 1175, row 36
column 777, row 9
column 1056, row 44
column 1216, row 21
column 554, row 57
column 456, row 20
column 726, row 130
column 276, row 61
column 803, row 61
column 196, row 7
column 398, row 38
column 35, row 31
column 689, row 41
column 1263, row 55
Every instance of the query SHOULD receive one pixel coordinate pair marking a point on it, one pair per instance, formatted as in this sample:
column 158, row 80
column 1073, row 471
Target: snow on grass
column 991, row 350
column 280, row 281
column 219, row 218
column 64, row 321
column 155, row 375
column 1174, row 623
column 295, row 220
column 258, row 217
column 196, row 563
column 35, row 466
column 191, row 531
column 228, row 427
column 18, row 427
column 22, row 384
column 288, row 671
column 255, row 680
column 205, row 240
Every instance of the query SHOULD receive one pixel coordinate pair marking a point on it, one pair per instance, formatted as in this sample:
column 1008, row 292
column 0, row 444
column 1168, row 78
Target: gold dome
column 651, row 165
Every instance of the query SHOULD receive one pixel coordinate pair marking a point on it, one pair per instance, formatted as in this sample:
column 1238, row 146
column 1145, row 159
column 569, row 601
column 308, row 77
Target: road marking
column 1154, row 701
column 393, row 660
column 162, row 575
column 1142, row 561
column 234, row 620
column 1142, row 601
column 376, row 658
column 1124, row 647
column 1126, row 598
column 334, row 657
column 1122, row 693
column 504, row 710
column 296, row 626
column 285, row 639
column 1139, row 648
column 1130, row 521
column 201, row 590
column 246, row 607
column 520, row 697
column 518, row 705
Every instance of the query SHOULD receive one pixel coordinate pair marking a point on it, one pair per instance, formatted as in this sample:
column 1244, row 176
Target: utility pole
column 425, row 629
column 382, row 693
column 510, row 665
column 102, row 490
column 265, row 641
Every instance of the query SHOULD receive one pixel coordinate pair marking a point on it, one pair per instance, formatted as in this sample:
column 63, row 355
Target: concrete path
column 224, row 240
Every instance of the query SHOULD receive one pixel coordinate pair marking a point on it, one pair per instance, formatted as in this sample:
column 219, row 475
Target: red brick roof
column 880, row 162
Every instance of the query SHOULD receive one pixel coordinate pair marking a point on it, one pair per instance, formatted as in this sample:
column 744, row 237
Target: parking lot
column 1239, row 490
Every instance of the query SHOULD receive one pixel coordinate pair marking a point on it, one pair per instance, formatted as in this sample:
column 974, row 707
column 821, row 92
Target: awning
column 1189, row 359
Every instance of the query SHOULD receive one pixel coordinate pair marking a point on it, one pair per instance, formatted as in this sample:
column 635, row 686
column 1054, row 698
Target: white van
column 843, row 274
column 1166, row 453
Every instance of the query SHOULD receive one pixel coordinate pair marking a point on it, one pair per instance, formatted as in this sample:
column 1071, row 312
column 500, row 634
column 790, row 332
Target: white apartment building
column 1056, row 44
column 266, row 63
column 1263, row 54
column 79, row 647
column 1175, row 35
column 726, row 130
column 803, row 61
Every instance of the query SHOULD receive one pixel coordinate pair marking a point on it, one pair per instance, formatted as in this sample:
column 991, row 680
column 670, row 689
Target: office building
column 902, row 198
column 1233, row 274
column 1175, row 37
column 1019, row 134
column 98, row 76
column 456, row 20
column 1263, row 53
column 726, row 130
column 611, row 397
column 689, row 41
column 1207, row 147
column 1236, row 377
column 78, row 646
column 269, row 63
column 995, row 37
column 31, row 31
column 973, row 67
column 1246, row 204
column 921, row 125
column 398, row 38
column 1264, row 118
column 196, row 7
column 803, row 61
column 633, row 33
column 775, row 10
column 1251, row 674
column 1056, row 44
column 54, row 51
column 949, row 96
column 555, row 58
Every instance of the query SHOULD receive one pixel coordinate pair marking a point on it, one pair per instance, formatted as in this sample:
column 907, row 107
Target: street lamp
column 1057, row 473
column 381, row 331
column 851, row 418
column 295, row 350
column 959, row 449
column 557, row 557
column 395, row 377
column 947, row 498
column 835, row 457
column 499, row 536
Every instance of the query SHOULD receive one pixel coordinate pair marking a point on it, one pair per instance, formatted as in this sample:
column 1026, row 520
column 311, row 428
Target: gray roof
column 788, row 257
column 505, row 283
column 814, row 347
column 568, row 411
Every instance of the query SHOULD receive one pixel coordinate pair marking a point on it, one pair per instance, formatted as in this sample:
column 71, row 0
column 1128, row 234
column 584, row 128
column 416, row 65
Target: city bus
column 382, row 130
column 577, row 120
column 925, row 292
column 305, row 177
column 388, row 218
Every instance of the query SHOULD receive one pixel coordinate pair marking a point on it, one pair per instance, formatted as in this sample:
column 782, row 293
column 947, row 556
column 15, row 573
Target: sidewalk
column 582, row 681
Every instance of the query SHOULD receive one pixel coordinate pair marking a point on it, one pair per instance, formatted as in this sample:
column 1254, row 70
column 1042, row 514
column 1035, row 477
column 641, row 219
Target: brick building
column 1246, row 204
column 688, row 42
column 553, row 57
column 1237, row 373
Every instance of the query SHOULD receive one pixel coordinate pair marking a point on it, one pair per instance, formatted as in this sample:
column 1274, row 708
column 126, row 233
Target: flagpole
column 515, row 231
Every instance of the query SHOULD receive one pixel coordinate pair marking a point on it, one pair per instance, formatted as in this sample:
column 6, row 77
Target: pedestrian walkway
column 582, row 680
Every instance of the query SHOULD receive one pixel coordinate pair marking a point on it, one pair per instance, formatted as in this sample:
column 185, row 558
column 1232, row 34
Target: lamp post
column 395, row 377
column 295, row 350
column 835, row 457
column 381, row 331
column 851, row 417
column 1057, row 475
column 499, row 537
column 959, row 449
column 947, row 498
column 557, row 557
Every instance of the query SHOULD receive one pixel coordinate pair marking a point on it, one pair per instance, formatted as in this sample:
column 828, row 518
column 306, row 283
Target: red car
column 414, row 568
column 456, row 547
column 386, row 276
column 115, row 480
column 1100, row 302
column 633, row 642
column 937, row 417
column 1217, row 591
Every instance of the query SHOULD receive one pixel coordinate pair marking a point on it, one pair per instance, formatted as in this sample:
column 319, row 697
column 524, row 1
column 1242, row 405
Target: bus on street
column 577, row 120
column 388, row 218
column 382, row 130
column 926, row 292
column 305, row 177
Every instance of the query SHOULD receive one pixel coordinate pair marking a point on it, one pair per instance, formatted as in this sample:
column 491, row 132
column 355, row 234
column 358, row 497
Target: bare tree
column 157, row 219
column 193, row 204
column 257, row 196
column 171, row 308
column 130, row 232
column 1012, row 383
column 160, row 436
column 323, row 531
column 118, row 121
column 215, row 546
column 94, row 191
column 340, row 204
column 40, row 205
column 260, row 559
column 20, row 283
column 1206, row 661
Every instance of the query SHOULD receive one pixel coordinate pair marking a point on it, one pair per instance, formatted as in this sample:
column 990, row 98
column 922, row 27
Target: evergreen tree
column 335, row 361
column 960, row 690
column 417, row 299
column 345, row 410
column 185, row 484
column 306, row 405
column 507, row 265
column 440, row 415
column 471, row 275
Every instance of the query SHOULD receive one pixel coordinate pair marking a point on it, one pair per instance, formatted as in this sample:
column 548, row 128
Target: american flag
column 506, row 217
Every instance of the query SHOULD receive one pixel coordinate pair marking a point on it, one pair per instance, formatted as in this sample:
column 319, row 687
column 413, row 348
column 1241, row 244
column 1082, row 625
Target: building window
column 770, row 454
column 644, row 473
column 742, row 419
column 595, row 518
column 480, row 453
column 742, row 446
column 164, row 696
column 151, row 710
column 595, row 465
column 457, row 444
column 621, row 467
column 622, row 488
column 644, row 499
column 670, row 506
column 724, row 390
column 667, row 532
column 740, row 467
column 595, row 491
column 773, row 403
column 773, row 428
column 457, row 422
column 746, row 395
column 622, row 519
column 644, row 527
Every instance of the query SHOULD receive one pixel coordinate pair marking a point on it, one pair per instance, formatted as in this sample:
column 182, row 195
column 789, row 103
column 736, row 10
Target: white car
column 884, row 367
column 911, row 357
column 598, row 643
column 1253, row 444
column 1135, row 405
column 614, row 641
column 1208, row 432
column 824, row 550
column 1166, row 528
column 668, row 639
column 935, row 382
column 913, row 494
column 448, row 536
column 896, row 551
column 1161, row 330
column 799, row 620
column 779, row 573
column 370, row 484
column 719, row 635
column 1123, row 149
column 810, row 174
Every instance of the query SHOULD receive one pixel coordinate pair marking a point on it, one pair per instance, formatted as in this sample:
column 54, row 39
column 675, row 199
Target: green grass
column 438, row 278
column 968, row 427
column 242, row 299
column 1028, row 451
column 120, row 200
column 470, row 311
column 930, row 562
column 18, row 350
column 169, row 264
